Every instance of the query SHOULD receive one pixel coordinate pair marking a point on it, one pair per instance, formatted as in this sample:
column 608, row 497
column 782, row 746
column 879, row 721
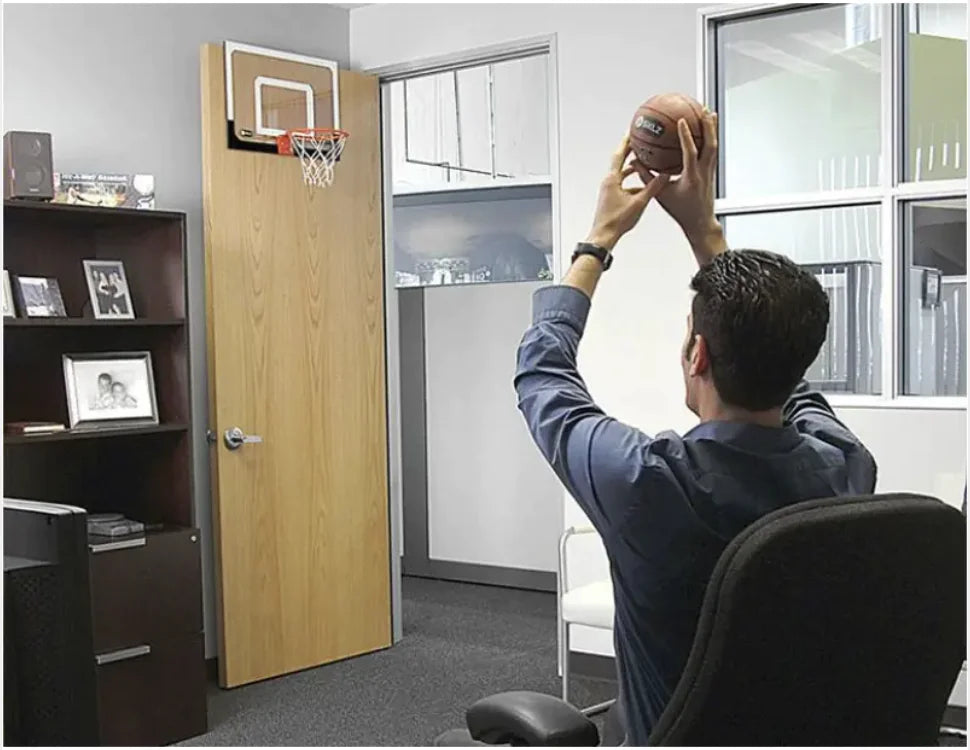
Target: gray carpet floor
column 461, row 643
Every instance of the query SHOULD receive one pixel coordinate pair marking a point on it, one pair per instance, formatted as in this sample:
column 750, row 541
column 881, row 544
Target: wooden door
column 296, row 356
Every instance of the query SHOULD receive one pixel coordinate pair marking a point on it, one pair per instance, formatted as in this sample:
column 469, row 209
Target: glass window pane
column 431, row 120
column 935, row 298
column 474, row 126
column 798, row 94
column 935, row 92
column 473, row 105
column 841, row 247
column 473, row 236
column 520, row 91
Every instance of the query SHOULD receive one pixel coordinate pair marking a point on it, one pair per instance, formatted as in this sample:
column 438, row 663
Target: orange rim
column 284, row 145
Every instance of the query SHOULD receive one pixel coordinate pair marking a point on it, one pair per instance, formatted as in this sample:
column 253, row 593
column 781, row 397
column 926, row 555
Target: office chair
column 830, row 622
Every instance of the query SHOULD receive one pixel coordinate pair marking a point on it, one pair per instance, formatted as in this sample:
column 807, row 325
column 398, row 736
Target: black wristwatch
column 588, row 248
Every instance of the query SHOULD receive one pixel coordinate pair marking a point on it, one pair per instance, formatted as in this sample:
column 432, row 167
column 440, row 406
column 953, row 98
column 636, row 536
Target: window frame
column 892, row 194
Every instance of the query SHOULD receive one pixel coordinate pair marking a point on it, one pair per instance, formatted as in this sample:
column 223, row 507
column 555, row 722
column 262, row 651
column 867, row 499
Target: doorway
column 470, row 233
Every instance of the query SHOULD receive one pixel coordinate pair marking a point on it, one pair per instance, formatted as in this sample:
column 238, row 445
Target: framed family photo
column 108, row 289
column 115, row 389
column 40, row 297
column 9, row 311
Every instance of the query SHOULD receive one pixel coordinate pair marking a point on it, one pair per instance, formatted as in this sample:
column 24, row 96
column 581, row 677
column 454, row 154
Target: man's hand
column 690, row 198
column 619, row 209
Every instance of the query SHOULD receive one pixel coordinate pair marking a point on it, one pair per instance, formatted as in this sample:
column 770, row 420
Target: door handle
column 236, row 438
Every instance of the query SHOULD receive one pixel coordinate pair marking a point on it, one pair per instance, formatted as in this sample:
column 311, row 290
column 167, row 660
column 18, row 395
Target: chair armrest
column 574, row 531
column 532, row 719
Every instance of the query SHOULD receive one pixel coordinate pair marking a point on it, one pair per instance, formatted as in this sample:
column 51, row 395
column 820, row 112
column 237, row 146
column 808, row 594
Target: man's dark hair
column 764, row 320
column 104, row 376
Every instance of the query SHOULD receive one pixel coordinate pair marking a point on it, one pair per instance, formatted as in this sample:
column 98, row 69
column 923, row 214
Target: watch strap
column 601, row 253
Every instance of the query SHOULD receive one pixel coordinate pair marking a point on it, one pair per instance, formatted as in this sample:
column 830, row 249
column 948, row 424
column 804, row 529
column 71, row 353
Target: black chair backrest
column 830, row 622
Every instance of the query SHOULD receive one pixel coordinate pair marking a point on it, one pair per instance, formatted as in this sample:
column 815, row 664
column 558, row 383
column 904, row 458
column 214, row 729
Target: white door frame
column 545, row 44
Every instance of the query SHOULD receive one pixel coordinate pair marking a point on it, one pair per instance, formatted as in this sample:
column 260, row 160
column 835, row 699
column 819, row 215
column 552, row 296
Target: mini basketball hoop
column 318, row 150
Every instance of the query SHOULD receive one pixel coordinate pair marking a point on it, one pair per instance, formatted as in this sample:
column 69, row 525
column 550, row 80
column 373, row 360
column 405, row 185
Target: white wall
column 492, row 499
column 117, row 86
column 610, row 58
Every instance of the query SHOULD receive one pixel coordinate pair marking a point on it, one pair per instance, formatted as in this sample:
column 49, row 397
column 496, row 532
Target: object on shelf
column 27, row 166
column 71, row 322
column 108, row 289
column 32, row 428
column 109, row 190
column 110, row 389
column 39, row 297
column 9, row 311
column 113, row 525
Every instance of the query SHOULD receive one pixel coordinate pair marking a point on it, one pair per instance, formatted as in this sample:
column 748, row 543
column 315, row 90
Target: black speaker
column 28, row 170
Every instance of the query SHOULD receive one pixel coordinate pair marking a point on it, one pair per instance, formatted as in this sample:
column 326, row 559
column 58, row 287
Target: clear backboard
column 269, row 92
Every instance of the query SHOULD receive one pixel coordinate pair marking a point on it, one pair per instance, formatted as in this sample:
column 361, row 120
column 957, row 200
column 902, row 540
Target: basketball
column 653, row 133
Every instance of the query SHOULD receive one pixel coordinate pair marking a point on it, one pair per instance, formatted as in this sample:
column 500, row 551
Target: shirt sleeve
column 601, row 461
column 810, row 413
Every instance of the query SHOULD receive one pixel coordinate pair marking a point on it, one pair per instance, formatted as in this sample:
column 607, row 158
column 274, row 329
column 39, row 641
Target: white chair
column 590, row 605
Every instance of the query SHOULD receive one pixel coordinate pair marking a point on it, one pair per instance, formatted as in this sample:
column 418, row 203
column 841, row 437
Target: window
column 935, row 91
column 798, row 77
column 470, row 173
column 841, row 247
column 477, row 125
column 473, row 236
column 843, row 145
column 935, row 298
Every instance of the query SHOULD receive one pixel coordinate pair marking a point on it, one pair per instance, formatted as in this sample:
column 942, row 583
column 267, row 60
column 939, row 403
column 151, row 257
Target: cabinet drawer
column 146, row 592
column 153, row 693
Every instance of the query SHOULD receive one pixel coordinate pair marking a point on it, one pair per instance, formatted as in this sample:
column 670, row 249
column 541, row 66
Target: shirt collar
column 747, row 435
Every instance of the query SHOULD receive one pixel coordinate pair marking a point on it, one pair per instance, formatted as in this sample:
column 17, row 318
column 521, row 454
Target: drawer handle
column 123, row 544
column 122, row 654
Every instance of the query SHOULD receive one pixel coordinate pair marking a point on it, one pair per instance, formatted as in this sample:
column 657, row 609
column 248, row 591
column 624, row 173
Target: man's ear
column 700, row 361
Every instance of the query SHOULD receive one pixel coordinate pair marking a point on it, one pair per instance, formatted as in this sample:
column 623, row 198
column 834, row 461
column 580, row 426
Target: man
column 104, row 398
column 666, row 506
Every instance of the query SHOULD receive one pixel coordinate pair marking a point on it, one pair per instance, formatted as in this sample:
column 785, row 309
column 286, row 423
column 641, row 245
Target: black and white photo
column 40, row 297
column 8, row 307
column 108, row 289
column 110, row 389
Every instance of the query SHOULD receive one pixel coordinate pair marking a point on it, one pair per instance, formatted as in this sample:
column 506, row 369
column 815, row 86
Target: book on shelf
column 113, row 525
column 32, row 428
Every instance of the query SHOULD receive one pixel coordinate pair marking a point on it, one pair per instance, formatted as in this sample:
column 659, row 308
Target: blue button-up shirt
column 666, row 506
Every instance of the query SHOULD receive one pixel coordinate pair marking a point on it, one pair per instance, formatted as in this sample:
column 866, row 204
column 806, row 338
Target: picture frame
column 110, row 389
column 39, row 297
column 9, row 309
column 108, row 289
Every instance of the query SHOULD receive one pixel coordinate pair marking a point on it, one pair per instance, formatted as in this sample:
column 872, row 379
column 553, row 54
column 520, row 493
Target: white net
column 318, row 151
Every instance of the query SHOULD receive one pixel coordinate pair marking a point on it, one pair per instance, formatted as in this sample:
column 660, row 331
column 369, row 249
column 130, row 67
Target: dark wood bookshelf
column 143, row 471
column 91, row 323
column 73, row 213
column 94, row 434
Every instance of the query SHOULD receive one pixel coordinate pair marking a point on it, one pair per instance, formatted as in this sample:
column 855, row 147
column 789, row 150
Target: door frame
column 541, row 580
